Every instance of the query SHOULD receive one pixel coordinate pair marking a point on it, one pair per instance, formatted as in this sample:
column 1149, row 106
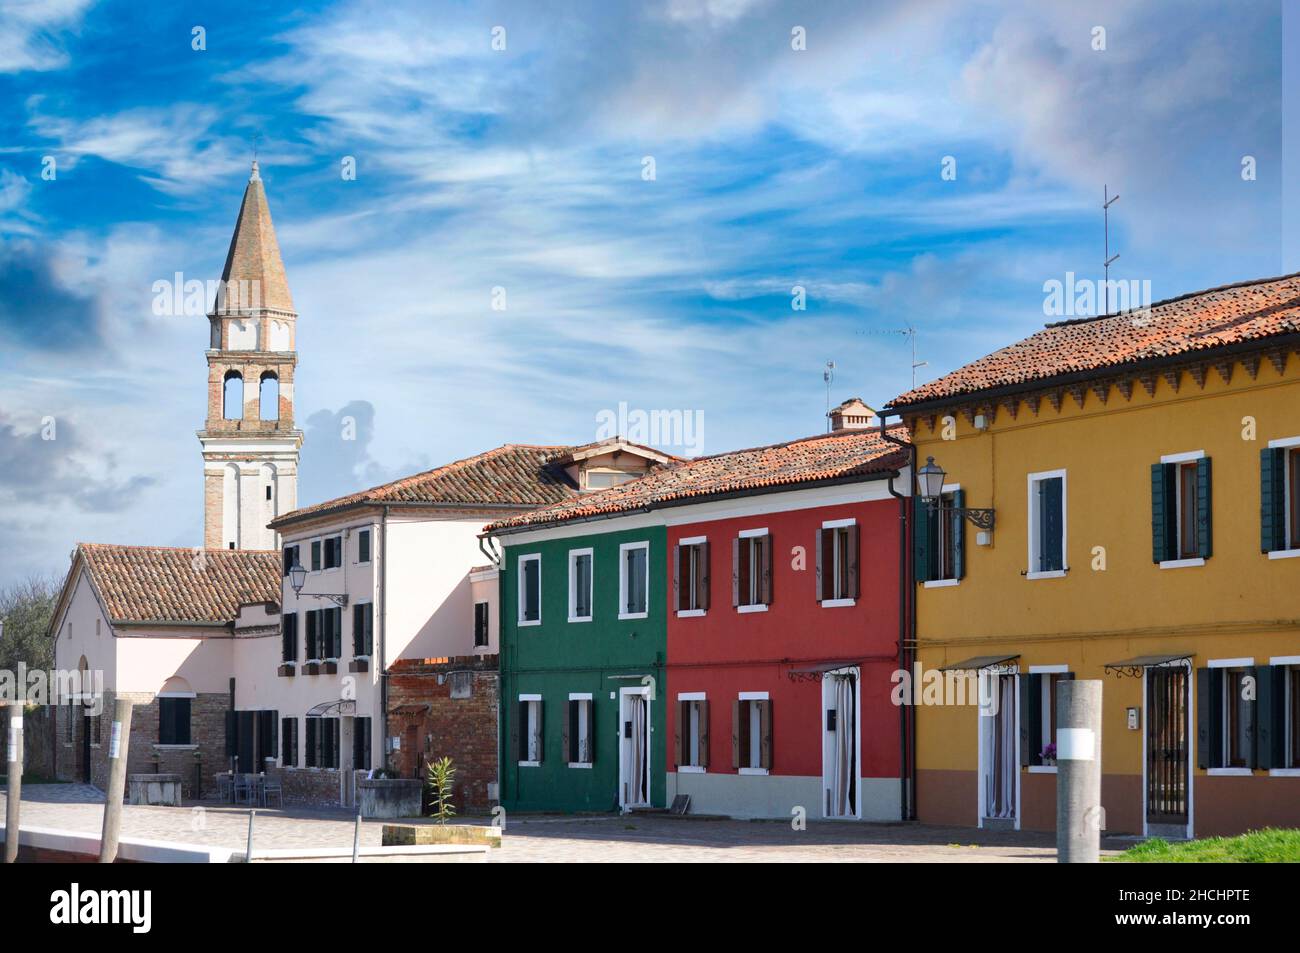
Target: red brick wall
column 431, row 723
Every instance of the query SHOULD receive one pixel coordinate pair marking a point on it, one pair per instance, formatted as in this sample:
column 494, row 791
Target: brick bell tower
column 250, row 446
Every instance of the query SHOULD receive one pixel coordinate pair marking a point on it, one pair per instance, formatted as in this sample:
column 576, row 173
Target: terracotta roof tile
column 845, row 453
column 1232, row 314
column 163, row 584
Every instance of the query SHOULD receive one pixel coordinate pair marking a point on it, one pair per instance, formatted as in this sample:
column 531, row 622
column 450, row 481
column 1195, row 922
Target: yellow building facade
column 1146, row 532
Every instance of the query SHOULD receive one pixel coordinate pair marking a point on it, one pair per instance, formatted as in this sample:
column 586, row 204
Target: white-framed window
column 333, row 552
column 579, row 730
column 691, row 576
column 1180, row 509
column 1288, row 718
column 1040, row 686
column 751, row 580
column 837, row 563
column 1047, row 525
column 363, row 546
column 752, row 738
column 580, row 585
column 1280, row 503
column 530, row 589
column 942, row 533
column 1231, row 711
column 634, row 580
column 530, row 752
column 691, row 740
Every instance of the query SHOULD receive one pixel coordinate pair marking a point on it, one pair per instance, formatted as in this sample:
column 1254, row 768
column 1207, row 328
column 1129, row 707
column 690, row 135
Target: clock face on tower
column 250, row 444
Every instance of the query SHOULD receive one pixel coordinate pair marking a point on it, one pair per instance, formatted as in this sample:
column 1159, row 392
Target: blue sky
column 522, row 168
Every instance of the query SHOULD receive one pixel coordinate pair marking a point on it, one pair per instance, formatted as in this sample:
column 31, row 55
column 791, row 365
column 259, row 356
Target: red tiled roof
column 1233, row 314
column 845, row 453
column 164, row 584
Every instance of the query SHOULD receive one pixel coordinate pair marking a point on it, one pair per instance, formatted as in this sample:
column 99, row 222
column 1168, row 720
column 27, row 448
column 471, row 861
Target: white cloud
column 29, row 33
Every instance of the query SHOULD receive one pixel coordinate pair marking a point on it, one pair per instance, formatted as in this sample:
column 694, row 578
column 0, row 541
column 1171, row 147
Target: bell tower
column 250, row 446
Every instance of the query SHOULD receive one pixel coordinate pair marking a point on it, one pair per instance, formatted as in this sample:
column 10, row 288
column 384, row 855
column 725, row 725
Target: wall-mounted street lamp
column 298, row 578
column 931, row 477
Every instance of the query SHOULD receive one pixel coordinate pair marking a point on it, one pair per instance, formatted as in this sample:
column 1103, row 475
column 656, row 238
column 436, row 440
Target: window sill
column 1284, row 772
column 838, row 603
column 760, row 607
column 580, row 764
column 524, row 623
column 691, row 769
column 162, row 747
column 530, row 764
column 1046, row 574
column 1284, row 554
column 940, row 583
column 287, row 670
column 579, row 618
column 1181, row 563
column 690, row 613
column 360, row 664
column 633, row 615
column 754, row 771
column 1041, row 769
column 1229, row 772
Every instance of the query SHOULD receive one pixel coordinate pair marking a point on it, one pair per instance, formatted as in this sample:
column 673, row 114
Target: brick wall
column 312, row 787
column 431, row 723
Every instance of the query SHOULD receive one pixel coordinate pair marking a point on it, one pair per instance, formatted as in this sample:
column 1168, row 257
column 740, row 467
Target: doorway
column 999, row 751
column 634, row 749
column 840, row 733
column 1167, row 750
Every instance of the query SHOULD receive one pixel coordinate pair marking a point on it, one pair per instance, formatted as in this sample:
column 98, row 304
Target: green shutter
column 1270, row 716
column 1031, row 719
column 1272, row 499
column 1204, row 509
column 1209, row 717
column 921, row 516
column 1160, row 523
column 958, row 535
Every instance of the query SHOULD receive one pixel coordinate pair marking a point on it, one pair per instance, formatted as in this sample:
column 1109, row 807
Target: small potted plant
column 1048, row 754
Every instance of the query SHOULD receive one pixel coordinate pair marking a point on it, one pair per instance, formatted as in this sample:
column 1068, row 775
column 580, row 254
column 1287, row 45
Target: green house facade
column 583, row 649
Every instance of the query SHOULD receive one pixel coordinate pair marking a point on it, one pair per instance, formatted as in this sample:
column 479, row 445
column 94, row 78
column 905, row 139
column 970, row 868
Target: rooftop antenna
column 1107, row 202
column 908, row 332
column 828, row 375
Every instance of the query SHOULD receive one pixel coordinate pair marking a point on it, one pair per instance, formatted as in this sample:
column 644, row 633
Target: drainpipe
column 383, row 634
column 906, row 632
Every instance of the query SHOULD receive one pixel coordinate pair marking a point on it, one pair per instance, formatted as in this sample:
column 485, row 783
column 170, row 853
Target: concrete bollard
column 1079, row 814
column 14, row 772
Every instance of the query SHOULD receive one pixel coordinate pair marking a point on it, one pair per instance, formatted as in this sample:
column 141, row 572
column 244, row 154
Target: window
column 633, row 580
column 173, row 720
column 580, row 585
column 837, row 563
column 1280, row 497
column 268, row 492
column 268, row 398
column 940, row 534
column 290, row 558
column 289, row 637
column 315, row 554
column 1046, row 525
column 1226, row 706
column 324, row 633
column 604, row 479
column 691, row 575
column 363, row 628
column 322, row 742
column 751, row 578
column 1038, row 715
column 361, row 743
column 481, row 619
column 232, row 396
column 289, row 742
column 579, row 734
column 1290, row 697
column 751, row 739
column 530, row 590
column 528, row 731
column 691, row 739
column 1180, row 510
column 333, row 552
column 363, row 546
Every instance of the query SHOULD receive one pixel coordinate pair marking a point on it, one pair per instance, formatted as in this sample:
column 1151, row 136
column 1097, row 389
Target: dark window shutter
column 569, row 732
column 1209, row 717
column 1031, row 719
column 704, row 734
column 312, row 752
column 765, row 740
column 958, row 556
column 702, row 574
column 1053, row 524
column 823, row 564
column 288, row 559
column 541, row 732
column 1161, row 500
column 766, row 543
column 1204, row 508
column 313, row 629
column 363, row 546
column 315, row 554
column 738, row 711
column 921, row 516
column 1270, row 716
column 679, row 732
column 1272, row 499
column 678, row 551
column 518, row 731
column 592, row 733
column 854, row 584
column 735, row 571
column 358, row 630
column 232, row 733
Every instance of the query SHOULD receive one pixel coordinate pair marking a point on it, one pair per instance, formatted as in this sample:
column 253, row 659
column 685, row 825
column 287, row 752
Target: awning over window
column 980, row 662
column 1137, row 664
column 334, row 708
column 815, row 673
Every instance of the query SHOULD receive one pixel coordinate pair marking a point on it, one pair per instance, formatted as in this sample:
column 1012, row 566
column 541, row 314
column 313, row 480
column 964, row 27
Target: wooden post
column 118, row 739
column 14, row 770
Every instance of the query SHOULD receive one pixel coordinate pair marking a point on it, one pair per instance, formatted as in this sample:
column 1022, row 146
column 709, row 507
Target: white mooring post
column 1079, row 814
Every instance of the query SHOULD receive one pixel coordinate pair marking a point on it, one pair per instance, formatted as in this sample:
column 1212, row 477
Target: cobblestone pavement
column 603, row 838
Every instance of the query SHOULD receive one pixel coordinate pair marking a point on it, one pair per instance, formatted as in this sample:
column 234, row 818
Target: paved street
column 602, row 838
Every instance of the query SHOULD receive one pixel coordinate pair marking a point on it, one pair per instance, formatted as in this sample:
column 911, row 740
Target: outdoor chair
column 271, row 788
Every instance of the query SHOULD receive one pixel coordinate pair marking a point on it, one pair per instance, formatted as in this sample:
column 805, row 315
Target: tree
column 26, row 609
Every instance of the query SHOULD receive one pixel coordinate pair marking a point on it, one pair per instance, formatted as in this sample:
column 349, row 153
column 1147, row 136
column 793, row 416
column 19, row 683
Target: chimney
column 853, row 414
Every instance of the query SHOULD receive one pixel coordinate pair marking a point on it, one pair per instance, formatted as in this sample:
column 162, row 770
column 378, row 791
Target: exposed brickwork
column 431, row 723
column 313, row 787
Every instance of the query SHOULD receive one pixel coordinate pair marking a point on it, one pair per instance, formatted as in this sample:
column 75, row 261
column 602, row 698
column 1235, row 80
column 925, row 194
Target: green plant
column 442, row 774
